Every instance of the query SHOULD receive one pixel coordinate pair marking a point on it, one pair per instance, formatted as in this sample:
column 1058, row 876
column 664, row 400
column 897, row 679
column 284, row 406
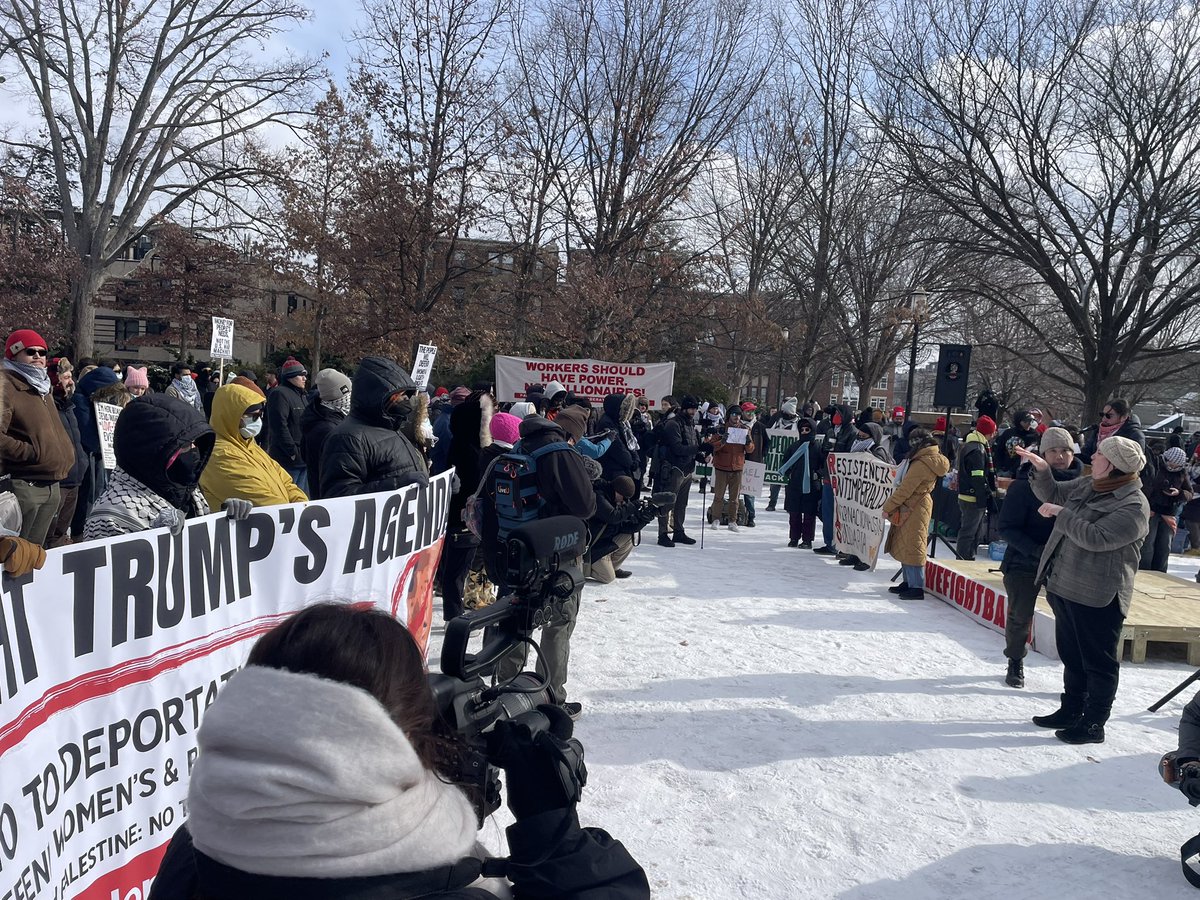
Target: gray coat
column 1094, row 550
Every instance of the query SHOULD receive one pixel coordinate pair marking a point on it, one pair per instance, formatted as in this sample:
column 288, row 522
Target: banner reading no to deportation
column 861, row 485
column 591, row 378
column 114, row 649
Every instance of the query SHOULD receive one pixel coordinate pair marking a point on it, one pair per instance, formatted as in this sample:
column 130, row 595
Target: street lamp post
column 916, row 307
column 782, row 347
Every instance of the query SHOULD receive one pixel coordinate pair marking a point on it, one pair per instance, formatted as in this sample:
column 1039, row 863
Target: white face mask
column 250, row 427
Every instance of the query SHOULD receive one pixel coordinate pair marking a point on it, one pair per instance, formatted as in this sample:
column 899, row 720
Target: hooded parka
column 907, row 543
column 239, row 467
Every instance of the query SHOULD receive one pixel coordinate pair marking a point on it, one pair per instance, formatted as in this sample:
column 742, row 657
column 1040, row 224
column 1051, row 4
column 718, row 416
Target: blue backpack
column 512, row 484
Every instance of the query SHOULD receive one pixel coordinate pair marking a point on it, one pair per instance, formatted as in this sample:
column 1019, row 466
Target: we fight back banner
column 111, row 653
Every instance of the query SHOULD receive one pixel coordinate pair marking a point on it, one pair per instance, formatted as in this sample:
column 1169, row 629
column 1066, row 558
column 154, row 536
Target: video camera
column 658, row 501
column 539, row 576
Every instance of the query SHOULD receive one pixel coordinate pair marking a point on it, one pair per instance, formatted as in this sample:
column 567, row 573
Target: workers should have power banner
column 111, row 653
column 591, row 378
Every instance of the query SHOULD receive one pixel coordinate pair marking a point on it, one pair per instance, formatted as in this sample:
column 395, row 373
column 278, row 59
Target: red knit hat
column 986, row 426
column 940, row 425
column 22, row 339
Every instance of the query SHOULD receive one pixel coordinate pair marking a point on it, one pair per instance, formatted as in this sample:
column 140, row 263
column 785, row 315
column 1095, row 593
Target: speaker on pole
column 953, row 372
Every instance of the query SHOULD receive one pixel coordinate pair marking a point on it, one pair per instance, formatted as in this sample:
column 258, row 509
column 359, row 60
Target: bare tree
column 148, row 105
column 35, row 265
column 1064, row 137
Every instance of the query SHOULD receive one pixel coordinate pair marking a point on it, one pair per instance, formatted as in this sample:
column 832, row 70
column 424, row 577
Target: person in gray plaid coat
column 1088, row 567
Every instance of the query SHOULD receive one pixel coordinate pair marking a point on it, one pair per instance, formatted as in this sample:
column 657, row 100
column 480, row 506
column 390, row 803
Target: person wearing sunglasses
column 239, row 468
column 35, row 449
column 1115, row 421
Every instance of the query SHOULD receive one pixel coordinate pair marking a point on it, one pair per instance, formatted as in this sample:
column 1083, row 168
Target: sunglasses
column 252, row 415
column 35, row 351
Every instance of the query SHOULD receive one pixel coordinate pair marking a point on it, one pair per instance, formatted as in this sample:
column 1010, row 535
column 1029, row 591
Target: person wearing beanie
column 1088, row 567
column 239, row 468
column 728, row 460
column 162, row 445
column 252, row 385
column 976, row 486
column 612, row 529
column 574, row 421
column 505, row 428
column 285, row 408
column 1026, row 531
column 802, row 496
column 136, row 381
column 324, row 412
column 1167, row 491
column 762, row 443
column 34, row 447
column 787, row 419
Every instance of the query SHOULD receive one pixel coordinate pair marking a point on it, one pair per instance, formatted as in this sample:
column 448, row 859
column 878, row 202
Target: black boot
column 898, row 588
column 664, row 541
column 1088, row 730
column 793, row 543
column 681, row 538
column 1068, row 714
column 1016, row 674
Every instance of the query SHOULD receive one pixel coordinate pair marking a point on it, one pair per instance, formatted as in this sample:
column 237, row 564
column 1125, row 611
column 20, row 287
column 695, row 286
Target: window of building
column 879, row 403
column 293, row 303
column 835, row 380
column 156, row 327
column 882, row 386
column 460, row 257
column 125, row 332
column 834, row 399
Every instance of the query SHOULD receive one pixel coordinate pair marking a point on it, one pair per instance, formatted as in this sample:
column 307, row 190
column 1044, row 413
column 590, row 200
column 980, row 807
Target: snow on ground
column 761, row 722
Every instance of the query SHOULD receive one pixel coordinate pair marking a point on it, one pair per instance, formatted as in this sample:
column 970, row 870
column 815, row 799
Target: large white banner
column 591, row 378
column 861, row 485
column 113, row 651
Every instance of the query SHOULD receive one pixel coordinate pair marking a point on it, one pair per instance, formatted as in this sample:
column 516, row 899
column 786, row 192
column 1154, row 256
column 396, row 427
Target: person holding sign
column 730, row 446
column 35, row 449
column 239, row 467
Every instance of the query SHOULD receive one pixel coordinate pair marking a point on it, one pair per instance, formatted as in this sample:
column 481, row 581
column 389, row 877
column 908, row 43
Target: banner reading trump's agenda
column 591, row 378
column 861, row 485
column 115, row 648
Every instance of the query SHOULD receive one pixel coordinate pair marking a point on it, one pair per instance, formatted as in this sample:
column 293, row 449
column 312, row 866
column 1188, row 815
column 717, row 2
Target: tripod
column 1194, row 677
column 937, row 519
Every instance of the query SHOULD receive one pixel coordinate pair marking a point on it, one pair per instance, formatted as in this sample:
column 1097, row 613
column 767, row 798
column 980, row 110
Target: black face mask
column 186, row 469
column 397, row 414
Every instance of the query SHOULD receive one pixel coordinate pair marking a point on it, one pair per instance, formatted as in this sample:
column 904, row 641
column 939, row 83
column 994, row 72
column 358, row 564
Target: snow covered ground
column 763, row 723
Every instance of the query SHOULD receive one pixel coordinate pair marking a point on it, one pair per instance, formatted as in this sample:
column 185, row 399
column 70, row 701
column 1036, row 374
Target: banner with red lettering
column 113, row 650
column 591, row 378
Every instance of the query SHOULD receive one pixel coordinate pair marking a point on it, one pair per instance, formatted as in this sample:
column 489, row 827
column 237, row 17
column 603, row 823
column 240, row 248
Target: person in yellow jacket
column 239, row 468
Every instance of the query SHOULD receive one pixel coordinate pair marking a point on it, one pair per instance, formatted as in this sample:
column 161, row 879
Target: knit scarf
column 627, row 433
column 800, row 454
column 340, row 405
column 37, row 376
column 187, row 388
column 1109, row 483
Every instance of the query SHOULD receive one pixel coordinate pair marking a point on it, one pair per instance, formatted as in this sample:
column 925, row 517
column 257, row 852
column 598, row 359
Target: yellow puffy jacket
column 239, row 467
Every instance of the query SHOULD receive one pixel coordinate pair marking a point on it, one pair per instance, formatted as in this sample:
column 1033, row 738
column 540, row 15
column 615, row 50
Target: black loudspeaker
column 953, row 372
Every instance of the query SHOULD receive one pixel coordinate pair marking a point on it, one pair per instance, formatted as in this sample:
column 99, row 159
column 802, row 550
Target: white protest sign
column 737, row 435
column 115, row 648
column 591, row 378
column 861, row 485
column 753, row 476
column 222, row 339
column 106, row 424
column 423, row 367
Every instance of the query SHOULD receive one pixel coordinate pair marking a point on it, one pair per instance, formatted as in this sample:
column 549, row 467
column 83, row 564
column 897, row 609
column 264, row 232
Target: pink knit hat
column 505, row 428
column 135, row 377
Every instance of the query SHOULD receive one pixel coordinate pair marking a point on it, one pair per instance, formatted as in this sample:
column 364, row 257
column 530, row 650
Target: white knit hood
column 305, row 777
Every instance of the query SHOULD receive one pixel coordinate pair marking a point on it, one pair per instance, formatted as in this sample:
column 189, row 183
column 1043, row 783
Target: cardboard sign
column 106, row 424
column 423, row 366
column 861, row 485
column 222, row 339
column 753, row 478
column 737, row 435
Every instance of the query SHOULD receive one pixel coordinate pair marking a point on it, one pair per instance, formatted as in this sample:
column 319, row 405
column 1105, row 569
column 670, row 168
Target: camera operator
column 1181, row 769
column 320, row 776
column 612, row 528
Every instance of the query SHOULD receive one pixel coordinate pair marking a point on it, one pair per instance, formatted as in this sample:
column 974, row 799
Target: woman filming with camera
column 318, row 777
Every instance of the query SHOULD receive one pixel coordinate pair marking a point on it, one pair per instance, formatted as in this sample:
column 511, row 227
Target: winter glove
column 169, row 518
column 237, row 509
column 1189, row 782
column 20, row 557
column 455, row 482
column 542, row 770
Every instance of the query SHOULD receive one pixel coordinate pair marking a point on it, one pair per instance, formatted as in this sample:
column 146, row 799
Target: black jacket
column 619, row 459
column 316, row 425
column 149, row 431
column 794, row 498
column 466, row 422
column 1163, row 480
column 66, row 413
column 285, row 406
column 1127, row 430
column 1022, row 526
column 366, row 453
column 976, row 473
column 835, row 438
column 679, row 443
column 761, row 440
column 551, row 857
column 1004, row 453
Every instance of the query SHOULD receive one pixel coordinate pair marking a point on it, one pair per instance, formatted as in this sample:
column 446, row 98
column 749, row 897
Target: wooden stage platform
column 1165, row 608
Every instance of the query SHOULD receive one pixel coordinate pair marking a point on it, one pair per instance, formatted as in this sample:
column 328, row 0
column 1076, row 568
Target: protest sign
column 115, row 648
column 222, row 339
column 106, row 424
column 780, row 447
column 736, row 435
column 861, row 485
column 591, row 378
column 753, row 475
column 423, row 367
